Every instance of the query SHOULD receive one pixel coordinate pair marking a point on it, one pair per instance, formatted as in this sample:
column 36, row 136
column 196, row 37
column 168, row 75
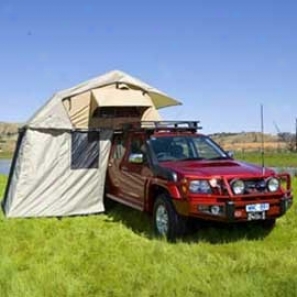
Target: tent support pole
column 22, row 133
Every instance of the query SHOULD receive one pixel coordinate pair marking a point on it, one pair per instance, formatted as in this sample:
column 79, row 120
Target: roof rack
column 164, row 126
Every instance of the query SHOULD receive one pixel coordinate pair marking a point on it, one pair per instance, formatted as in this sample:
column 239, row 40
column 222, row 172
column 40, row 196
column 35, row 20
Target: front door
column 134, row 171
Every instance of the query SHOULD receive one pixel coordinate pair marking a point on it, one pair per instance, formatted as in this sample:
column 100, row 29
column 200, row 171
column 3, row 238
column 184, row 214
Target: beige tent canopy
column 60, row 162
column 73, row 107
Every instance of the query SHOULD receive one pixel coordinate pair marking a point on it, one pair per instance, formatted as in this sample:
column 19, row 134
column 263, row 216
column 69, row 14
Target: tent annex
column 61, row 158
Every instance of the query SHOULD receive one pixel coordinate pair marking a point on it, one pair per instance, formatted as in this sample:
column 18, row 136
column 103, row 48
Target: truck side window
column 119, row 149
column 137, row 147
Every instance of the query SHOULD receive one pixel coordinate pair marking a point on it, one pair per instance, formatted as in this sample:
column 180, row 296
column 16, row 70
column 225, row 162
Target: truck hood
column 216, row 168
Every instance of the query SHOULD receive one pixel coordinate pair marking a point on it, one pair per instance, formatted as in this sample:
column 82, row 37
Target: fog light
column 238, row 213
column 215, row 209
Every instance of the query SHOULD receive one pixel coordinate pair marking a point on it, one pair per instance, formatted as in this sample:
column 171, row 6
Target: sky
column 222, row 59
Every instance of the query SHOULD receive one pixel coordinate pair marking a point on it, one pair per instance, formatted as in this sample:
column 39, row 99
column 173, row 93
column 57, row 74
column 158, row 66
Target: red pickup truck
column 174, row 172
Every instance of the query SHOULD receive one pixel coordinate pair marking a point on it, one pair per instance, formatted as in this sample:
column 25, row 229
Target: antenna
column 277, row 128
column 262, row 133
column 296, row 135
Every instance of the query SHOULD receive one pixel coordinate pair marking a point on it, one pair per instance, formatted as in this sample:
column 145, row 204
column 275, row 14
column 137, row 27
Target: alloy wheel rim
column 162, row 220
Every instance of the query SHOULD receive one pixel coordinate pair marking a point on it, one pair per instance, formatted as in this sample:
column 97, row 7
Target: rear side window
column 85, row 150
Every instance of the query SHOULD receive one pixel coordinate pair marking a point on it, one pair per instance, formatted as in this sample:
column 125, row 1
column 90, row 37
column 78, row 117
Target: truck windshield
column 186, row 147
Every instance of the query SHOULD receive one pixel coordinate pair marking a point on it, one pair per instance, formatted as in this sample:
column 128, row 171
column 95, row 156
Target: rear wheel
column 109, row 204
column 167, row 222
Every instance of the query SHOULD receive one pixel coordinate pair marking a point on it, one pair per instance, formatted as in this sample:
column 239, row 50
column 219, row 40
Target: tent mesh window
column 85, row 150
column 117, row 112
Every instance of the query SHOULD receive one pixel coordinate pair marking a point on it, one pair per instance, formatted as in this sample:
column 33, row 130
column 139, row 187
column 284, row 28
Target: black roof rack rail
column 192, row 126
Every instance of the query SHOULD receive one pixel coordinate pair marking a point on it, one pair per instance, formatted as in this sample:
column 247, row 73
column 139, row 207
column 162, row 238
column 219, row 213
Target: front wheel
column 167, row 222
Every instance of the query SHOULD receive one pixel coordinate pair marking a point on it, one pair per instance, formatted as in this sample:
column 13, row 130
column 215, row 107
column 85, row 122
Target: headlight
column 237, row 186
column 273, row 184
column 199, row 187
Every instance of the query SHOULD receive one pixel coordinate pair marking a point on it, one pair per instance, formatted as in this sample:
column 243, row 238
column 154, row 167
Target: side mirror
column 230, row 154
column 136, row 158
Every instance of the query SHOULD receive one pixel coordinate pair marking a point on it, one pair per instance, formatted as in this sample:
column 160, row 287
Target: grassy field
column 271, row 159
column 117, row 255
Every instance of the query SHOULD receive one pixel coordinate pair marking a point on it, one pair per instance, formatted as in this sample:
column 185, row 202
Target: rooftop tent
column 54, row 115
column 109, row 106
column 60, row 162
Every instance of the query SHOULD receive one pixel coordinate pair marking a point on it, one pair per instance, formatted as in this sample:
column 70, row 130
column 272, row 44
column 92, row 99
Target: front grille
column 252, row 186
column 255, row 186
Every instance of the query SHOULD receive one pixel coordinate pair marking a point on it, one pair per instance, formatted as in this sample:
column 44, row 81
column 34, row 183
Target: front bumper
column 237, row 212
column 233, row 211
column 255, row 203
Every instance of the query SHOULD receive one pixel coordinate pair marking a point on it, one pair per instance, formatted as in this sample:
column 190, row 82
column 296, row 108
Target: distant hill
column 8, row 136
column 9, row 128
column 244, row 137
column 247, row 141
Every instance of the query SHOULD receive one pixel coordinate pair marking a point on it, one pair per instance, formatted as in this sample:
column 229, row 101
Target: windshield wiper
column 192, row 159
column 219, row 158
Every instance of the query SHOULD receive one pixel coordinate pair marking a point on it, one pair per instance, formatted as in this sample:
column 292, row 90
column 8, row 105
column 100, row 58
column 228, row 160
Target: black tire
column 109, row 204
column 167, row 222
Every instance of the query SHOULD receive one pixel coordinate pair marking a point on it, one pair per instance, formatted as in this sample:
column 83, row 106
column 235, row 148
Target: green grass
column 117, row 255
column 271, row 159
